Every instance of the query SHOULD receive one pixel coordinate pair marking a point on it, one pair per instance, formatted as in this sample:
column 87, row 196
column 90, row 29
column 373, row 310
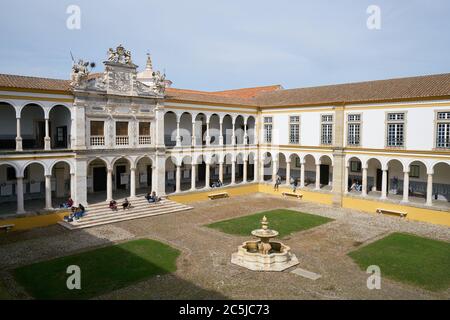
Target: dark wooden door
column 324, row 174
column 99, row 176
column 119, row 171
column 61, row 137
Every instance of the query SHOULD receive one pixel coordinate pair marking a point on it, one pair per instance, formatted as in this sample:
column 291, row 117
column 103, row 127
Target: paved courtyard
column 204, row 268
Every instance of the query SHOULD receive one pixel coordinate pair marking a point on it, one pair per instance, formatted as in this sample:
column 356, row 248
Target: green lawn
column 102, row 270
column 410, row 259
column 4, row 295
column 283, row 221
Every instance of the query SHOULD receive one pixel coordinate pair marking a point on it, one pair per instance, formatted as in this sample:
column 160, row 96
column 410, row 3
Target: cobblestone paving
column 204, row 268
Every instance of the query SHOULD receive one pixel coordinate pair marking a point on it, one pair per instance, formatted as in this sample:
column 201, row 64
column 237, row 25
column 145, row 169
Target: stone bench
column 402, row 214
column 7, row 227
column 292, row 194
column 219, row 195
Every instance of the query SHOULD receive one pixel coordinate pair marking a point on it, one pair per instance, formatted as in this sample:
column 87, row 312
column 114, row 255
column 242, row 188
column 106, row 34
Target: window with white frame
column 443, row 130
column 327, row 129
column 268, row 129
column 354, row 129
column 294, row 129
column 395, row 129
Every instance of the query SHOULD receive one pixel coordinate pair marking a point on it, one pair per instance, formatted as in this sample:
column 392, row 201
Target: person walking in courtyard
column 277, row 183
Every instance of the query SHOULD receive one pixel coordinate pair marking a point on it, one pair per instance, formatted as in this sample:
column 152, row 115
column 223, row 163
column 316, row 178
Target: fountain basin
column 279, row 257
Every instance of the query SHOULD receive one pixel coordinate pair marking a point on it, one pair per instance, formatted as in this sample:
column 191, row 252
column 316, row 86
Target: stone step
column 106, row 210
column 109, row 214
column 119, row 202
column 77, row 225
column 100, row 214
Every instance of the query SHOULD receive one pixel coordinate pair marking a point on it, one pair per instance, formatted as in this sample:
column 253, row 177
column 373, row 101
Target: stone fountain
column 263, row 254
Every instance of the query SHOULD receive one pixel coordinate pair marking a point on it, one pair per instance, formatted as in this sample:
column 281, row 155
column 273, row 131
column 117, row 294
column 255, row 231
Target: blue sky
column 223, row 44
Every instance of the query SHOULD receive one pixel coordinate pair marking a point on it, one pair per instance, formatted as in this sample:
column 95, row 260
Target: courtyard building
column 123, row 133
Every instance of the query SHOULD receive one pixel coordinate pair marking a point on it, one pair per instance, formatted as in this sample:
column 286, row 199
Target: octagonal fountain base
column 279, row 257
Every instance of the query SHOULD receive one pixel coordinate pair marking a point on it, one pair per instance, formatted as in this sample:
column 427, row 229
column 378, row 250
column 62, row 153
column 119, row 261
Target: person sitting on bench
column 126, row 204
column 113, row 205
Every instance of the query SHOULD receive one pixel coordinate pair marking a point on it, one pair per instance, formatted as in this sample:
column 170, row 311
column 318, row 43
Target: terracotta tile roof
column 248, row 92
column 208, row 97
column 34, row 83
column 423, row 87
column 431, row 86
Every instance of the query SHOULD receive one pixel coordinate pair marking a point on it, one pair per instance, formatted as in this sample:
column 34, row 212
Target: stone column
column 193, row 175
column 346, row 179
column 233, row 171
column 384, row 185
column 109, row 185
column 261, row 175
column 405, row 186
column 207, row 178
column 233, row 136
column 18, row 136
column 430, row 189
column 317, row 176
column 48, row 192
column 72, row 187
column 245, row 132
column 193, row 142
column 72, row 134
column 221, row 132
column 159, row 127
column 47, row 135
column 302, row 174
column 288, row 172
column 178, row 137
column 79, row 192
column 19, row 193
column 208, row 138
column 255, row 170
column 244, row 178
column 178, row 179
column 364, row 182
column 221, row 171
column 132, row 183
column 274, row 171
column 159, row 174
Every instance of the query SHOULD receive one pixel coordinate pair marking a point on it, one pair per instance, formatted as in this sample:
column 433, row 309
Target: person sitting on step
column 79, row 212
column 154, row 198
column 126, row 204
column 113, row 205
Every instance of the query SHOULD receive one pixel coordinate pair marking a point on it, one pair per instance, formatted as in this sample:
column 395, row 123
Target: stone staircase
column 100, row 214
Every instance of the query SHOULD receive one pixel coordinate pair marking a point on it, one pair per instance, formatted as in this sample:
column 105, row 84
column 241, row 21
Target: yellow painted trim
column 36, row 98
column 309, row 196
column 265, row 112
column 203, row 195
column 61, row 92
column 413, row 213
column 37, row 157
column 32, row 222
column 426, row 152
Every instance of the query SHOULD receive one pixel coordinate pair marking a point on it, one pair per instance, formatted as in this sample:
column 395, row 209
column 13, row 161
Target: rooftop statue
column 120, row 55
